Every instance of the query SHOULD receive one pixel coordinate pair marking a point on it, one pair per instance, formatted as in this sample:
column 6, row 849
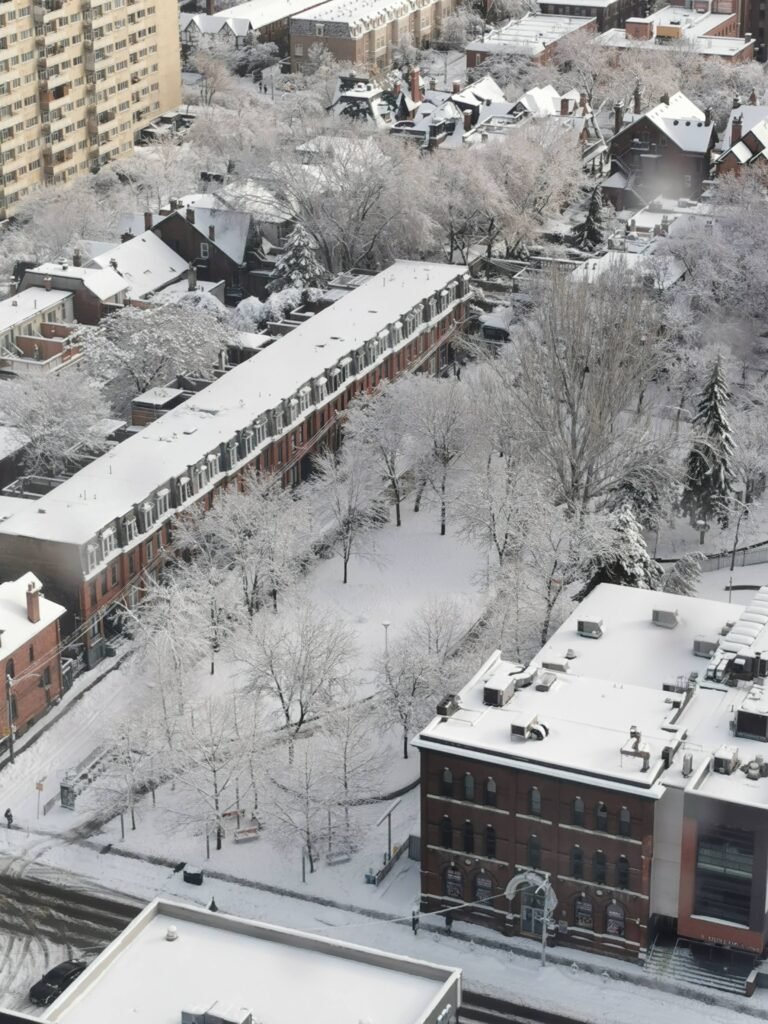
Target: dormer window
column 344, row 366
column 92, row 556
column 108, row 542
column 293, row 409
column 277, row 419
column 321, row 386
column 247, row 441
column 305, row 396
column 232, row 454
column 214, row 462
column 147, row 516
column 201, row 476
column 183, row 489
column 162, row 501
column 260, row 430
column 129, row 528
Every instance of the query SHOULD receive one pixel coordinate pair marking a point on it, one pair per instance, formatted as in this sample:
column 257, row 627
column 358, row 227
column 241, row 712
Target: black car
column 53, row 983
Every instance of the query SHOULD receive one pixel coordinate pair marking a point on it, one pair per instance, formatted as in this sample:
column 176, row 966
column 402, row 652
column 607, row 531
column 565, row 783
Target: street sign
column 39, row 786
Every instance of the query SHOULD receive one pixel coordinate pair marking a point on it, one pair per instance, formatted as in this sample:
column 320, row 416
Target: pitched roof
column 144, row 263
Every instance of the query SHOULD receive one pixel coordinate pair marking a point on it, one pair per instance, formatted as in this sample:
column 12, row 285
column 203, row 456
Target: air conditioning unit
column 703, row 647
column 591, row 628
column 545, row 681
column 726, row 760
column 663, row 618
column 556, row 664
column 447, row 706
column 497, row 694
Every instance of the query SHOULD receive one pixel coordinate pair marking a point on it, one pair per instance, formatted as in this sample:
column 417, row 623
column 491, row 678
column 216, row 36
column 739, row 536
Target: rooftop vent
column 634, row 747
column 727, row 628
column 556, row 664
column 687, row 765
column 592, row 628
column 663, row 618
column 755, row 769
column 752, row 723
column 726, row 760
column 529, row 728
column 497, row 694
column 545, row 681
column 448, row 705
column 171, row 934
column 703, row 647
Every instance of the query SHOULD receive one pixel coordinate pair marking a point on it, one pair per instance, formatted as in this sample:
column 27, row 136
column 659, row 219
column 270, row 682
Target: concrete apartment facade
column 78, row 80
column 366, row 32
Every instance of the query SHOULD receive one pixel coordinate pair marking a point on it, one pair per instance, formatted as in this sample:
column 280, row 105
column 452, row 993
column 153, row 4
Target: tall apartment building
column 78, row 80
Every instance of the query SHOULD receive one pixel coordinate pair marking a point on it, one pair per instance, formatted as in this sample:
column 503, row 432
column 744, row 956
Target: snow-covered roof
column 213, row 24
column 361, row 15
column 145, row 263
column 15, row 628
column 531, row 34
column 681, row 121
column 279, row 974
column 104, row 283
column 750, row 116
column 227, row 229
column 110, row 486
column 158, row 396
column 261, row 13
column 30, row 303
column 675, row 25
column 254, row 198
column 12, row 441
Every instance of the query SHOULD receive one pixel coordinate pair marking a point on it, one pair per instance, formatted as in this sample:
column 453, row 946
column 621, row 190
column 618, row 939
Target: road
column 43, row 922
column 482, row 1009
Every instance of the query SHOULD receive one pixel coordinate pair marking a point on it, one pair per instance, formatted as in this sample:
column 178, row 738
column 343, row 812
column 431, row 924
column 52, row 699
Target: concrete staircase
column 709, row 969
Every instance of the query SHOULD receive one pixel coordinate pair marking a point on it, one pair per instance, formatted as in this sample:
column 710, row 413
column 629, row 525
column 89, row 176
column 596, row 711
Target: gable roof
column 144, row 263
column 681, row 121
column 104, row 283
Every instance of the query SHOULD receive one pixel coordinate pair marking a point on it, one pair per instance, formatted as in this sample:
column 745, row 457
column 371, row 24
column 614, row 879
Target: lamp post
column 386, row 626
column 8, row 704
column 743, row 511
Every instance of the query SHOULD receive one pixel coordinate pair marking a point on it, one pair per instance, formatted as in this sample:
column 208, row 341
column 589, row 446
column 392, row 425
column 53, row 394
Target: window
column 483, row 886
column 447, row 782
column 129, row 528
column 598, row 868
column 724, row 874
column 92, row 556
column 601, row 817
column 614, row 920
column 31, row 652
column 148, row 550
column 183, row 489
column 577, row 862
column 534, row 801
column 147, row 516
column 534, row 852
column 469, row 837
column 214, row 461
column 625, row 822
column 469, row 786
column 490, row 792
column 622, row 872
column 453, row 884
column 578, row 811
column 583, row 913
column 162, row 501
column 490, row 841
column 446, row 833
column 107, row 542
column 104, row 582
column 203, row 250
column 114, row 574
column 94, row 597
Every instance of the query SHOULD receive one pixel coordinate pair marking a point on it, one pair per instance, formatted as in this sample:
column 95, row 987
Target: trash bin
column 193, row 875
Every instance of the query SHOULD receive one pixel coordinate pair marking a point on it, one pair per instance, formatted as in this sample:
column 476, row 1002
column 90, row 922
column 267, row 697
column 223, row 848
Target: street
column 43, row 922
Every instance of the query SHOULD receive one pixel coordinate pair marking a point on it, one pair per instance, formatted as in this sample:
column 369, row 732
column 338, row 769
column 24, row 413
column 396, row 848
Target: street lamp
column 8, row 700
column 743, row 511
column 386, row 626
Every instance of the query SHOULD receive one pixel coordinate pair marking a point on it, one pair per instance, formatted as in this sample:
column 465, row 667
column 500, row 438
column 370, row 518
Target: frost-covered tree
column 624, row 559
column 684, row 575
column 351, row 759
column 55, row 413
column 590, row 233
column 298, row 266
column 407, row 683
column 137, row 349
column 299, row 803
column 709, row 476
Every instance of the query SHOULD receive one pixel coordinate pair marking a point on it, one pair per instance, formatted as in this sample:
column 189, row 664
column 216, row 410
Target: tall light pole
column 386, row 638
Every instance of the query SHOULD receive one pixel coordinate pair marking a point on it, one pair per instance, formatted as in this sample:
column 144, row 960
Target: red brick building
column 30, row 654
column 93, row 538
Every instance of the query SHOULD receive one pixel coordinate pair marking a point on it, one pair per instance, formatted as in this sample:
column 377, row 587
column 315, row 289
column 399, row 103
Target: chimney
column 416, row 85
column 77, row 258
column 636, row 99
column 563, row 106
column 753, row 94
column 708, row 116
column 433, row 84
column 665, row 97
column 147, row 220
column 210, row 6
column 618, row 117
column 47, row 283
column 455, row 86
column 212, row 232
column 467, row 120
column 396, row 88
column 192, row 277
column 33, row 602
column 190, row 215
column 583, row 101
column 736, row 102
column 735, row 129
column 113, row 263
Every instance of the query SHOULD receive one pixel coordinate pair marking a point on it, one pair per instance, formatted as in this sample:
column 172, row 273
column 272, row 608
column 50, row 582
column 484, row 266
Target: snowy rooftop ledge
column 244, row 972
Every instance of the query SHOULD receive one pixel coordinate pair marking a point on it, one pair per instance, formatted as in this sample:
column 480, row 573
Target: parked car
column 53, row 983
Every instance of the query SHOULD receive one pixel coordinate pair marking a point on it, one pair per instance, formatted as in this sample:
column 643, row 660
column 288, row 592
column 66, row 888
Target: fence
column 754, row 554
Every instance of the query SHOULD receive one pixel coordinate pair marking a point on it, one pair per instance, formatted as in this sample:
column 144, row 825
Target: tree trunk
column 405, row 744
column 419, row 495
column 442, row 506
column 346, row 565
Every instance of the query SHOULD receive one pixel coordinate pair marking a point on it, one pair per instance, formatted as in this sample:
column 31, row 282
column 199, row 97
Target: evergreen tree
column 625, row 560
column 298, row 266
column 590, row 234
column 683, row 578
column 709, row 477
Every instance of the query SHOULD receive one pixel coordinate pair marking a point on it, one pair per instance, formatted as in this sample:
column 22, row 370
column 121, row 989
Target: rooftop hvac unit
column 448, row 705
column 556, row 664
column 752, row 724
column 665, row 619
column 591, row 628
column 524, row 677
column 496, row 695
column 727, row 628
column 687, row 765
column 545, row 681
column 726, row 760
column 703, row 647
column 530, row 728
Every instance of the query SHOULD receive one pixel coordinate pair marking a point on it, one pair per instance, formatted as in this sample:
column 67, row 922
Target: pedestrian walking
column 415, row 922
column 9, row 817
column 448, row 921
column 212, row 905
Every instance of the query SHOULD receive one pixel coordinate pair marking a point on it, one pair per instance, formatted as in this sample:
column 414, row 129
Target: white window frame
column 108, row 542
column 204, row 251
column 305, row 398
column 247, row 441
column 183, row 486
column 129, row 528
column 200, row 474
column 214, row 465
column 163, row 501
column 321, row 389
column 233, row 455
column 92, row 555
column 278, row 418
column 260, row 430
column 147, row 515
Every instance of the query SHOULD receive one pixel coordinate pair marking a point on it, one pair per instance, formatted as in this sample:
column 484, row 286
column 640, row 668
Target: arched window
column 601, row 817
column 534, row 801
column 534, row 852
column 625, row 822
column 622, row 872
column 577, row 862
column 598, row 868
column 583, row 912
column 453, row 883
column 490, row 841
column 614, row 919
column 469, row 786
column 578, row 811
column 490, row 792
column 447, row 782
column 469, row 837
column 446, row 833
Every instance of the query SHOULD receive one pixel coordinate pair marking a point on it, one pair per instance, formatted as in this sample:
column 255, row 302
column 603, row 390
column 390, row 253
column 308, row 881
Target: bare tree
column 438, row 627
column 299, row 804
column 407, row 682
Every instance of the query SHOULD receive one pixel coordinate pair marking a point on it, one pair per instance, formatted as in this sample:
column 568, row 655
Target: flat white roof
column 359, row 14
column 530, row 34
column 281, row 976
column 28, row 304
column 104, row 283
column 17, row 630
column 265, row 12
column 75, row 511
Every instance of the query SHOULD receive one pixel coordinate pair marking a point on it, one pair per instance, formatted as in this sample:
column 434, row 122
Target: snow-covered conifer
column 683, row 578
column 709, row 476
column 298, row 266
column 590, row 234
column 625, row 559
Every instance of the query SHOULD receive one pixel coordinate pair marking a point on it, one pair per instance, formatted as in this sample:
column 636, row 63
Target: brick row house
column 624, row 765
column 94, row 537
column 30, row 654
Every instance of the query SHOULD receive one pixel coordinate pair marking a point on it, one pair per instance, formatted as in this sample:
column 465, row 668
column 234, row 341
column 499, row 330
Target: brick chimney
column 455, row 86
column 467, row 120
column 636, row 107
column 210, row 6
column 33, row 602
column 708, row 116
column 212, row 232
column 416, row 85
column 618, row 117
column 190, row 215
column 583, row 101
column 396, row 89
column 47, row 283
column 147, row 220
column 735, row 129
column 77, row 258
column 753, row 98
column 192, row 277
column 563, row 106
